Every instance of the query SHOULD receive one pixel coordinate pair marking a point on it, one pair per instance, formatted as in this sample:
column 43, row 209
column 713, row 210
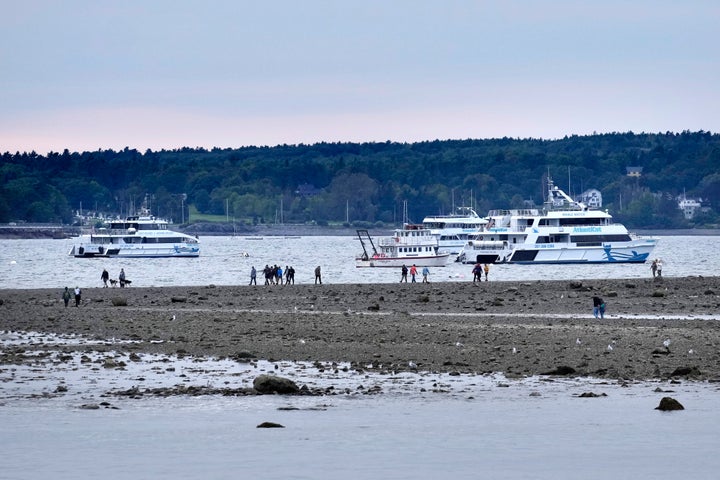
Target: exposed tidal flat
column 652, row 329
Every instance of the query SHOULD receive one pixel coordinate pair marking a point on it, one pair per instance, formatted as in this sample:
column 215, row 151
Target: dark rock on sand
column 270, row 425
column 685, row 372
column 669, row 404
column 592, row 395
column 562, row 370
column 267, row 384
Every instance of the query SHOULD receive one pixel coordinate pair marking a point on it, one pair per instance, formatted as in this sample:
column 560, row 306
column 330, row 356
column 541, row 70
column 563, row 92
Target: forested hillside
column 369, row 182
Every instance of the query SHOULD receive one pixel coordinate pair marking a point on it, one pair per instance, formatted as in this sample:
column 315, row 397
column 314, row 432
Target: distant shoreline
column 55, row 231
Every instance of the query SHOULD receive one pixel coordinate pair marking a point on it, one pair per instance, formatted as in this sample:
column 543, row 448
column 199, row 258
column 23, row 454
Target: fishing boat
column 563, row 231
column 453, row 231
column 411, row 245
column 139, row 236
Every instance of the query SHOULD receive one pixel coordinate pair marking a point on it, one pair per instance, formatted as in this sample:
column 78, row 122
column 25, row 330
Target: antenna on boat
column 569, row 184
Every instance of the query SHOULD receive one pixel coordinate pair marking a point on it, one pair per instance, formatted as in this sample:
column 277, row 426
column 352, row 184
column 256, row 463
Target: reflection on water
column 45, row 263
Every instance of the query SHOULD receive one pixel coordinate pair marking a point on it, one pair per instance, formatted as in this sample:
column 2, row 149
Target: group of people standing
column 68, row 294
column 413, row 273
column 275, row 275
column 105, row 277
column 478, row 271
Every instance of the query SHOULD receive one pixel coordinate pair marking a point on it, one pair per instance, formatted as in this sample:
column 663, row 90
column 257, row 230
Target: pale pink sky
column 88, row 75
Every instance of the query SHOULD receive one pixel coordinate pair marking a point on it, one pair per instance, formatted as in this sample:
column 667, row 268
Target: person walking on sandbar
column 66, row 296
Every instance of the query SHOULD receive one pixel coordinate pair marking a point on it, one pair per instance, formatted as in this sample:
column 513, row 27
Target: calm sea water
column 490, row 432
column 486, row 427
column 45, row 263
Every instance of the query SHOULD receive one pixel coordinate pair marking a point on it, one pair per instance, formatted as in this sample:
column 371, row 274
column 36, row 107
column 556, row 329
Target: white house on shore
column 591, row 197
column 689, row 206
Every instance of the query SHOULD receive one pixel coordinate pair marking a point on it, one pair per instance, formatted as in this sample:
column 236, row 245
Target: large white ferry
column 453, row 231
column 135, row 237
column 412, row 245
column 564, row 231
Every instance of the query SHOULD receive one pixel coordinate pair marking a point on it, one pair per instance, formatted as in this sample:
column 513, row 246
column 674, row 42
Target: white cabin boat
column 412, row 245
column 564, row 231
column 141, row 236
column 453, row 231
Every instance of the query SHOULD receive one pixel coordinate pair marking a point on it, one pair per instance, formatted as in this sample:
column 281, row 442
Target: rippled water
column 491, row 430
column 45, row 263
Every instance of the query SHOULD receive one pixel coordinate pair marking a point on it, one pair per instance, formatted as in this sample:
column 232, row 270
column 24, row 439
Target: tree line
column 371, row 183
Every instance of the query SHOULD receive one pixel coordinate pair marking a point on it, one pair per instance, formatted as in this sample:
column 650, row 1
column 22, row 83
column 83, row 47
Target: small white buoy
column 578, row 342
column 666, row 343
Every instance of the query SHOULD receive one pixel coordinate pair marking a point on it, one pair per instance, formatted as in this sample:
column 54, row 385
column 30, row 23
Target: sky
column 85, row 75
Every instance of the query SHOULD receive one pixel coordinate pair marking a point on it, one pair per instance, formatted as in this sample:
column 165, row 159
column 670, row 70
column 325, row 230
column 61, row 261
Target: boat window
column 600, row 238
column 570, row 222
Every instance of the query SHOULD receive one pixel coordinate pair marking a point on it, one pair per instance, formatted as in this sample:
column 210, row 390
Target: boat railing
column 519, row 211
column 409, row 240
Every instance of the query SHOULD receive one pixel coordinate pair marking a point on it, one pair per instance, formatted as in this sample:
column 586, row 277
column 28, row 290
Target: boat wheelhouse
column 453, row 231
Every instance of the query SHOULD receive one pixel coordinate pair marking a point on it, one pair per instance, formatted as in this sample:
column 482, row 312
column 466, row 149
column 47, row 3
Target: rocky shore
column 652, row 329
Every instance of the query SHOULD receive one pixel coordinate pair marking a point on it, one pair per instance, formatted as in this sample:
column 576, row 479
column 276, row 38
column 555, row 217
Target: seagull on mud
column 578, row 342
column 610, row 348
column 412, row 365
column 666, row 343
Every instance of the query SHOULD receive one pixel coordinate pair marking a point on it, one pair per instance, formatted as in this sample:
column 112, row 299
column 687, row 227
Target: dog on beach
column 113, row 282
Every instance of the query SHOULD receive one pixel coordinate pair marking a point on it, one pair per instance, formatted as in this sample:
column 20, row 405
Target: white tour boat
column 453, row 231
column 564, row 231
column 135, row 237
column 412, row 245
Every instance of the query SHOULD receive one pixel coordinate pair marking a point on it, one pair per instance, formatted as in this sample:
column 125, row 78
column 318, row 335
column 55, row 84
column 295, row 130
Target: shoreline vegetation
column 57, row 231
column 662, row 329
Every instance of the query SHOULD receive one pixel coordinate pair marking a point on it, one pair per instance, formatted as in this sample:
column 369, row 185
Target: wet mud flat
column 665, row 329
